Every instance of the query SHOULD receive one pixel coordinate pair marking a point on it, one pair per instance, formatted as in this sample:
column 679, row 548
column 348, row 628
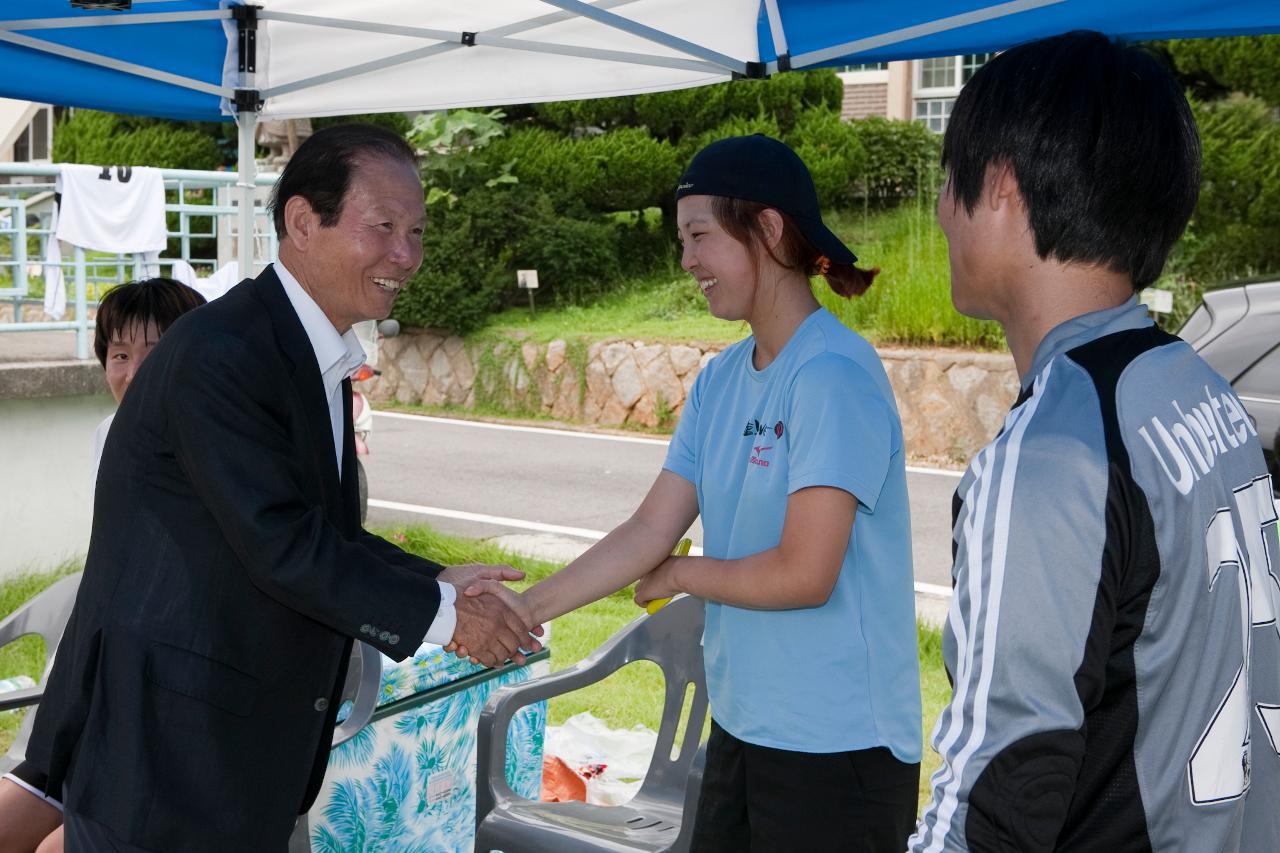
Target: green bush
column 685, row 112
column 1249, row 64
column 623, row 169
column 575, row 258
column 461, row 279
column 1235, row 230
column 397, row 123
column 736, row 126
column 902, row 158
column 472, row 248
column 89, row 136
column 833, row 151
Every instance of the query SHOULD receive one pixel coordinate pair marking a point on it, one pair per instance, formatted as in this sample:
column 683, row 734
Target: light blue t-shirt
column 845, row 675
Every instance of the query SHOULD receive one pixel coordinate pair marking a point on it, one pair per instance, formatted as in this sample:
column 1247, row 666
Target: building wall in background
column 46, row 496
column 924, row 90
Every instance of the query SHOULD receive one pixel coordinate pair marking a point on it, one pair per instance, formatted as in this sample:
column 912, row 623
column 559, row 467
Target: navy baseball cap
column 760, row 168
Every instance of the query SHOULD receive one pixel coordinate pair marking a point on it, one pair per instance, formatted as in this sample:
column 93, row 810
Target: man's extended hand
column 493, row 628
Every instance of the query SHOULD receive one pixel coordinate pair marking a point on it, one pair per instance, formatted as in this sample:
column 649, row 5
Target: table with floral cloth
column 406, row 782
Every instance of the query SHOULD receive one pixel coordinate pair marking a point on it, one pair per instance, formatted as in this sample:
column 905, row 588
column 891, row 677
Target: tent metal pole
column 113, row 21
column 954, row 22
column 247, row 171
column 114, row 64
column 626, row 25
column 487, row 41
column 775, row 28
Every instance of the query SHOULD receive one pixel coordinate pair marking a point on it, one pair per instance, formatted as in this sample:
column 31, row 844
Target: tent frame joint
column 246, row 18
column 468, row 39
column 247, row 101
column 754, row 71
column 784, row 62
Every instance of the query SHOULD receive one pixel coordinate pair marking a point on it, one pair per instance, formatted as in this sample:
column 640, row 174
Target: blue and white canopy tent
column 222, row 59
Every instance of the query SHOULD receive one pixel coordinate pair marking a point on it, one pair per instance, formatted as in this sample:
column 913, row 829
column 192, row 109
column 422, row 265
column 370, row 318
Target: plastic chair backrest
column 671, row 639
column 46, row 616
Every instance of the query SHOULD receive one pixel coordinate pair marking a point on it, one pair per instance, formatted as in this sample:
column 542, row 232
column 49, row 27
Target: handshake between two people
column 494, row 622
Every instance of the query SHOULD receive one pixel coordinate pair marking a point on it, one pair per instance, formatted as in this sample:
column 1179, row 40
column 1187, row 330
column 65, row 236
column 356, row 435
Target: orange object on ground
column 560, row 783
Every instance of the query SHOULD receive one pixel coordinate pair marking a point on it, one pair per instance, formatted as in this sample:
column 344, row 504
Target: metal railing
column 205, row 208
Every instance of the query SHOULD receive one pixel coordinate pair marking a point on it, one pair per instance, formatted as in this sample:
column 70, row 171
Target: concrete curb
column 42, row 379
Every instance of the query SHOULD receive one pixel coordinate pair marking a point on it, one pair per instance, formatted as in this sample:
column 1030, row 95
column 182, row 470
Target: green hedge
column 625, row 169
column 1235, row 230
column 674, row 115
column 471, row 250
column 88, row 136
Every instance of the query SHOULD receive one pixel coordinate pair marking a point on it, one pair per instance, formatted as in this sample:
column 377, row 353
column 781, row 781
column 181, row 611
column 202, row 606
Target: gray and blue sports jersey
column 1112, row 639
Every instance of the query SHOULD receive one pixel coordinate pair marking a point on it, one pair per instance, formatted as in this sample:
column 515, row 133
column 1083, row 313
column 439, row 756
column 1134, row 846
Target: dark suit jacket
column 193, row 697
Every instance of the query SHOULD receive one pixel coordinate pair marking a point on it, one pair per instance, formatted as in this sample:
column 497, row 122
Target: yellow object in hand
column 682, row 550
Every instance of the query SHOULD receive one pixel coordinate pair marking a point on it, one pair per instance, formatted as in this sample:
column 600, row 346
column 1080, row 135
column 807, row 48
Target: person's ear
column 771, row 226
column 300, row 221
column 1002, row 186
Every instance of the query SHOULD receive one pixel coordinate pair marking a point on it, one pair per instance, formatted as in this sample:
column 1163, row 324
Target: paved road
column 543, row 489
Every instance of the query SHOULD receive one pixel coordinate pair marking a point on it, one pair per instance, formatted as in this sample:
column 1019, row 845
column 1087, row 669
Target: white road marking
column 581, row 532
column 941, row 472
column 501, row 521
column 632, row 439
column 597, row 436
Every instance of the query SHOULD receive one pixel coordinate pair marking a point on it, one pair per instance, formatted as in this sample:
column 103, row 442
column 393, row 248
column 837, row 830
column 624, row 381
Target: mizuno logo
column 1189, row 447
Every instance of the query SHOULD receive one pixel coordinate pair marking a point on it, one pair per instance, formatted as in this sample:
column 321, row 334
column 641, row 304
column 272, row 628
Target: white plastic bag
column 585, row 740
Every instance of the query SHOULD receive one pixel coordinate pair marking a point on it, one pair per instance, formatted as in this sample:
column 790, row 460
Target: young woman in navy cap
column 790, row 448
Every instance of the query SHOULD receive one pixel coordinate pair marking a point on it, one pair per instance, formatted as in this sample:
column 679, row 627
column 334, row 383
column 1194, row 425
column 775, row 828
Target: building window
column 938, row 82
column 934, row 112
column 863, row 66
column 35, row 144
column 938, row 73
column 970, row 64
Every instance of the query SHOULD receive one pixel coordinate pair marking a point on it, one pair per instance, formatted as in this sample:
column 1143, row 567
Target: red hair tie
column 822, row 264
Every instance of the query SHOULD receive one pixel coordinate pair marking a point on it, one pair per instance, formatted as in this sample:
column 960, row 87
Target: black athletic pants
column 760, row 800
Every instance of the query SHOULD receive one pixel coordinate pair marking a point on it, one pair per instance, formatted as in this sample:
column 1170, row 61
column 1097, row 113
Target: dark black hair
column 320, row 170
column 137, row 303
column 1101, row 140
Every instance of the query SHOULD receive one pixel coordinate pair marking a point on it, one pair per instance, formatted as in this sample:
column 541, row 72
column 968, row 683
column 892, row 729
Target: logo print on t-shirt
column 756, row 428
column 757, row 452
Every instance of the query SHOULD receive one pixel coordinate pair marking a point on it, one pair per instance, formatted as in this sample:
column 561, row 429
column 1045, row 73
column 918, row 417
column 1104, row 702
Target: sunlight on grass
column 909, row 304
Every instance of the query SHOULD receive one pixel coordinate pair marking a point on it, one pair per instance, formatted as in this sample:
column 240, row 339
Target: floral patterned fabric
column 406, row 783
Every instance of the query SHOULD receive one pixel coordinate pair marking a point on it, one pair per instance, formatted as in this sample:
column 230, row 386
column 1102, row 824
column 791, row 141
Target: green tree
column 1215, row 67
column 89, row 136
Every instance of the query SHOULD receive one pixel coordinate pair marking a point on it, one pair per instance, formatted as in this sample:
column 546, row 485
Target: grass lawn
column 910, row 302
column 632, row 695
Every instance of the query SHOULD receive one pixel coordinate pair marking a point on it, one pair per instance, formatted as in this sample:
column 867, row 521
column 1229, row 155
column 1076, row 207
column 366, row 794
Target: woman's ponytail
column 848, row 280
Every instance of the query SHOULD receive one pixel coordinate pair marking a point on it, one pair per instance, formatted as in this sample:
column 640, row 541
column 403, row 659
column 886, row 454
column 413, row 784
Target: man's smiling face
column 355, row 268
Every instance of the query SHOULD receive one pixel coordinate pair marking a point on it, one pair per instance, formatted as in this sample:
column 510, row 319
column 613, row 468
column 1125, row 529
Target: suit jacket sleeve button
column 366, row 628
column 322, row 704
column 394, row 639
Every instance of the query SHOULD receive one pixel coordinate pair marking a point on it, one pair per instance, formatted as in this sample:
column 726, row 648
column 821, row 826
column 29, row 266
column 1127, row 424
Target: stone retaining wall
column 951, row 401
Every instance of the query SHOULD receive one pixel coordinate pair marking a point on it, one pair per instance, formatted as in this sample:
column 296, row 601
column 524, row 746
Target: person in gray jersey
column 1112, row 639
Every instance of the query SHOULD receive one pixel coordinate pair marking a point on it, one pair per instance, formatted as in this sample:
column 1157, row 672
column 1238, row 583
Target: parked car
column 1237, row 330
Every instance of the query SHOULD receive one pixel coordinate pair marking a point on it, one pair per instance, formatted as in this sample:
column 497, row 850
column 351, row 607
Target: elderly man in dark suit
column 194, row 694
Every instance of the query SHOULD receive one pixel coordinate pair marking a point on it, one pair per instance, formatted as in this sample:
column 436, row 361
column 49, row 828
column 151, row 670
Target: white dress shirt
column 338, row 357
